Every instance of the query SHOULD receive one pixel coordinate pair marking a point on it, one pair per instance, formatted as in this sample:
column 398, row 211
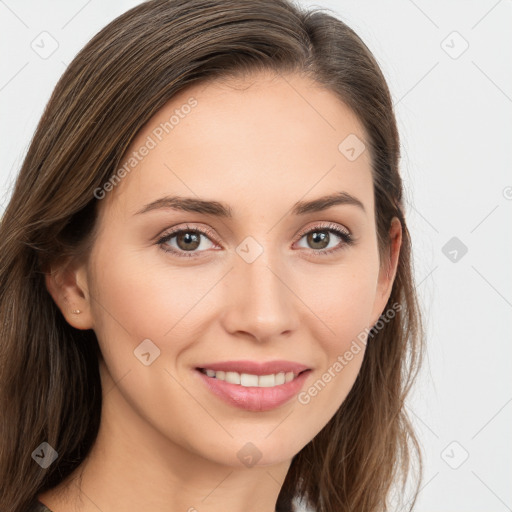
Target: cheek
column 342, row 297
column 343, row 304
column 139, row 296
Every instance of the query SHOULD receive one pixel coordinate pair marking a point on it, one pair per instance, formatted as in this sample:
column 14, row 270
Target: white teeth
column 266, row 381
column 250, row 380
column 247, row 380
column 232, row 377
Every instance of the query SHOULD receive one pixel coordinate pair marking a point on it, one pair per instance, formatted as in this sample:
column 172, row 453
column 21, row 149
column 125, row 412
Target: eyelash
column 347, row 239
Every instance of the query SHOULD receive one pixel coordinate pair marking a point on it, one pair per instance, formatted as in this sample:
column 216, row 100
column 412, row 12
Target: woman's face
column 207, row 253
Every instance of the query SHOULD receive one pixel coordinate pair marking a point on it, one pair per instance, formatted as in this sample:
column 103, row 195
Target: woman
column 207, row 299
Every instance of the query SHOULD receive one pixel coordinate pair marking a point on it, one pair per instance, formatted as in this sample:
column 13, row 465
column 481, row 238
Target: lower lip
column 255, row 398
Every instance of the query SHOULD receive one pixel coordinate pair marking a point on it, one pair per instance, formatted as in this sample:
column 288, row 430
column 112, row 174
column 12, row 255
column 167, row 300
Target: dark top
column 37, row 506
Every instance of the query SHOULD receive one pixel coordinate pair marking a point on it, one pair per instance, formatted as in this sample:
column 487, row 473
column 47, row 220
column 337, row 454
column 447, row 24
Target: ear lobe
column 68, row 288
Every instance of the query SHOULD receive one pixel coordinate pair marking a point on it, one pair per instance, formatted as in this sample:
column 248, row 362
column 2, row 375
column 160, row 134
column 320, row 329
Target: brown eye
column 186, row 241
column 319, row 238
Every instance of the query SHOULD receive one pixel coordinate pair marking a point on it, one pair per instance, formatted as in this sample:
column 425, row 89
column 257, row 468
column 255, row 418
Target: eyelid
column 323, row 225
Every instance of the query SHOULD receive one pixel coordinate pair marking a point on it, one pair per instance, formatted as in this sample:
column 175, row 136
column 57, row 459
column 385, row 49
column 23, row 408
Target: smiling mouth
column 252, row 380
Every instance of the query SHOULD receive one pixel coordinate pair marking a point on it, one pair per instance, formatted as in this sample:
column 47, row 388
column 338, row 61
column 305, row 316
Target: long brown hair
column 50, row 388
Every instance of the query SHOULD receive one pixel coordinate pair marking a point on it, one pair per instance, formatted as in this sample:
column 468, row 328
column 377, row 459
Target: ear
column 388, row 269
column 67, row 284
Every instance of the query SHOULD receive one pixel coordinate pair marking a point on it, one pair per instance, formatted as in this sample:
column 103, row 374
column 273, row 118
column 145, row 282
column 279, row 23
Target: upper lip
column 256, row 368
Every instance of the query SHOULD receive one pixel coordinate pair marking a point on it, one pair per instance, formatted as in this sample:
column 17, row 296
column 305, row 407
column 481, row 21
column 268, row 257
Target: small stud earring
column 76, row 311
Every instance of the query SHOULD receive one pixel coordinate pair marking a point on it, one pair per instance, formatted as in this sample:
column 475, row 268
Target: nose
column 260, row 301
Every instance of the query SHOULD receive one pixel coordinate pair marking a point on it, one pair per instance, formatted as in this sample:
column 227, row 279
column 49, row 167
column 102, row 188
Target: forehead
column 263, row 139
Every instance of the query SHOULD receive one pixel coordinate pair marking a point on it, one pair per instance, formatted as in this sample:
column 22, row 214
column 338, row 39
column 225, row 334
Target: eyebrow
column 217, row 209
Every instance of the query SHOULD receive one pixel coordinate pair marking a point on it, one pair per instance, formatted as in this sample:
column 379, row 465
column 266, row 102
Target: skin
column 165, row 441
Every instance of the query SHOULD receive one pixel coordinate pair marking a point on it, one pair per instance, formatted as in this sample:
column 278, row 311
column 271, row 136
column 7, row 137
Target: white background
column 454, row 112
